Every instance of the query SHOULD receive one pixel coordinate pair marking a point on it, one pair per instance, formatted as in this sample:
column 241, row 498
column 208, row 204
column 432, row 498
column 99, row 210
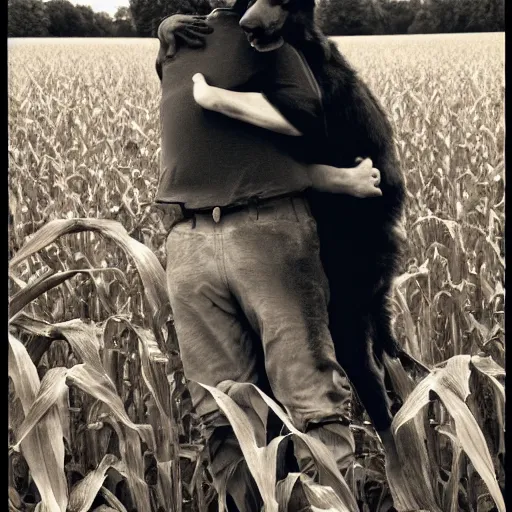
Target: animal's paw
column 187, row 29
column 191, row 30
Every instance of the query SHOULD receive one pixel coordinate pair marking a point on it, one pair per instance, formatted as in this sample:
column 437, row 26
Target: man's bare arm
column 250, row 107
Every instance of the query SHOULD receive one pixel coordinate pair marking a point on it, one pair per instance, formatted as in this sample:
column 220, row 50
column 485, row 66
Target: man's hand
column 185, row 28
column 361, row 181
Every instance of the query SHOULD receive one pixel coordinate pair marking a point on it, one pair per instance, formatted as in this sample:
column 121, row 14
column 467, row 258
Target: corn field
column 100, row 418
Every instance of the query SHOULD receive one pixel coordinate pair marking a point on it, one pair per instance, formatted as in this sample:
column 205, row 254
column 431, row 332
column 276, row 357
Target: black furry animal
column 359, row 238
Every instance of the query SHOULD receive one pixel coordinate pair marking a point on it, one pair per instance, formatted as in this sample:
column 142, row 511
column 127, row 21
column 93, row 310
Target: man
column 243, row 263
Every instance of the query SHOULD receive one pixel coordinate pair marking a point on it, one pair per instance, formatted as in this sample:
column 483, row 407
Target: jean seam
column 221, row 259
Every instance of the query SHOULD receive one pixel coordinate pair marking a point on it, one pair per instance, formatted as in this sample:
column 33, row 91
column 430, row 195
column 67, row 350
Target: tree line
column 377, row 17
column 60, row 18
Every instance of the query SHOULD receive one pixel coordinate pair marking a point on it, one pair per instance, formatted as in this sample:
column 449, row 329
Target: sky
column 109, row 6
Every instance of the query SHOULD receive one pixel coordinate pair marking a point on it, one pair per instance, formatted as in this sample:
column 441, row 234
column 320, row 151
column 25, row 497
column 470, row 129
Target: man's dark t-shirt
column 209, row 159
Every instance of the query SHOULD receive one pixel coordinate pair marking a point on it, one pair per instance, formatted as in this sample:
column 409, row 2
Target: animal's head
column 269, row 22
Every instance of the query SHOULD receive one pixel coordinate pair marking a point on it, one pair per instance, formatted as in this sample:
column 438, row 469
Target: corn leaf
column 133, row 464
column 45, row 283
column 252, row 405
column 153, row 364
column 328, row 472
column 321, row 497
column 285, row 489
column 82, row 337
column 43, row 449
column 99, row 385
column 404, row 278
column 42, row 342
column 488, row 367
column 90, row 380
column 85, row 491
column 412, row 489
column 400, row 379
column 411, row 344
column 112, row 501
column 256, row 457
column 451, row 492
column 451, row 384
column 299, row 492
column 52, row 387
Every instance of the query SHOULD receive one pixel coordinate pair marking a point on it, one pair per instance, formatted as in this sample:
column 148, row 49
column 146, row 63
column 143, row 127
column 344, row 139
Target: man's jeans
column 255, row 277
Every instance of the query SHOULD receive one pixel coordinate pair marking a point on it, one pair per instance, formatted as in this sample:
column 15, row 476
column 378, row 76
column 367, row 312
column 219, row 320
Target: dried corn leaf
column 82, row 337
column 451, row 384
column 45, row 283
column 43, row 449
column 488, row 367
column 451, row 490
column 85, row 491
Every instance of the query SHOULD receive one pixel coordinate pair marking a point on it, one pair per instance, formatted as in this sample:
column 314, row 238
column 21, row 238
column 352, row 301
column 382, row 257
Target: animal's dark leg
column 384, row 341
column 353, row 334
column 383, row 337
column 351, row 331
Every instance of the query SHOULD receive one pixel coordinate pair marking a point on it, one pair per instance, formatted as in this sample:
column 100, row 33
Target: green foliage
column 351, row 17
column 60, row 18
column 425, row 22
column 147, row 14
column 27, row 18
column 65, row 19
column 123, row 22
column 459, row 16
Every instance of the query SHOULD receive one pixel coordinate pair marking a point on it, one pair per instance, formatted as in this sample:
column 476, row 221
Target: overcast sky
column 109, row 6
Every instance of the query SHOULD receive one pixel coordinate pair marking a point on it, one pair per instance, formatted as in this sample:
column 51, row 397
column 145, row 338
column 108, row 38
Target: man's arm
column 250, row 107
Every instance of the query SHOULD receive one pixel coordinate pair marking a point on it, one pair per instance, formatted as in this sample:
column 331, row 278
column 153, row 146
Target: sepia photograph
column 256, row 255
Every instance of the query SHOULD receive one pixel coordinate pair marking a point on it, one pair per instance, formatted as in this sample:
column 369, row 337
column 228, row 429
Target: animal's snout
column 249, row 24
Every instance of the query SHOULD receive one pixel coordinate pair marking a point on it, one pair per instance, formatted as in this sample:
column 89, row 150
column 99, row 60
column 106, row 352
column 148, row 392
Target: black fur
column 360, row 245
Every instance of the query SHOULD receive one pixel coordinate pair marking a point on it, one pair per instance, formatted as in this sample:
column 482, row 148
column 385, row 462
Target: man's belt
column 218, row 211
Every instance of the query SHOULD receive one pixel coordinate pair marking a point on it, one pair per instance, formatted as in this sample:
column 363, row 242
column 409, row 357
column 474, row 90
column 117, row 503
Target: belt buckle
column 216, row 215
